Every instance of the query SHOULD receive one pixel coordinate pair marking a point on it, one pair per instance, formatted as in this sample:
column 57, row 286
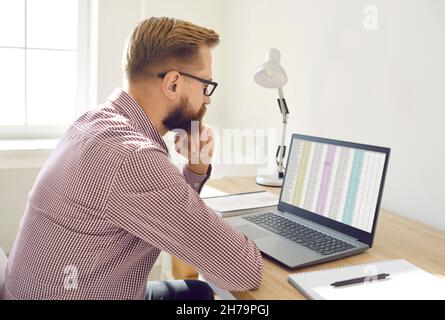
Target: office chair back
column 3, row 261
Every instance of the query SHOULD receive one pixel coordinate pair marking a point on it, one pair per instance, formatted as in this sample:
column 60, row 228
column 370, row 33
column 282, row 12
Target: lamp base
column 269, row 181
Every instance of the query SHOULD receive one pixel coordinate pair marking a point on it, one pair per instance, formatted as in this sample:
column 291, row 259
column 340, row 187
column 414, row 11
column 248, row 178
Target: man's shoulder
column 107, row 126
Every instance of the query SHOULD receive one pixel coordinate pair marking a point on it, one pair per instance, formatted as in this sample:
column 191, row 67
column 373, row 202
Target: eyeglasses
column 208, row 89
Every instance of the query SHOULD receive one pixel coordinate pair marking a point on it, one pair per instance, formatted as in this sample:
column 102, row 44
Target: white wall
column 383, row 87
column 114, row 23
column 15, row 185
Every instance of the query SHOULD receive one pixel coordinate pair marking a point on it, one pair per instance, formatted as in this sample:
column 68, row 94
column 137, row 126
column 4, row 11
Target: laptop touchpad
column 251, row 232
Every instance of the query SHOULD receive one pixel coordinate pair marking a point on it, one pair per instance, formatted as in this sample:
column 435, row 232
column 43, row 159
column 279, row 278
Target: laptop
column 329, row 203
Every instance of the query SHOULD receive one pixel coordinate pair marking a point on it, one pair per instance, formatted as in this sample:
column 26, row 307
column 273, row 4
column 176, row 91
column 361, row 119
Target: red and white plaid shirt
column 105, row 204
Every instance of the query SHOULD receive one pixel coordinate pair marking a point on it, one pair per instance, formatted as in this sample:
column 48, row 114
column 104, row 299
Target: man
column 108, row 200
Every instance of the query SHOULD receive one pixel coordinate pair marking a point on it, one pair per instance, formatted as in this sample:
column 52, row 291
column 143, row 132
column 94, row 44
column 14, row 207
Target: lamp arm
column 282, row 148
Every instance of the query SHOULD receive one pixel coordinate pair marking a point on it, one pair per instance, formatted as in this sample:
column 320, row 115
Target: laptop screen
column 338, row 182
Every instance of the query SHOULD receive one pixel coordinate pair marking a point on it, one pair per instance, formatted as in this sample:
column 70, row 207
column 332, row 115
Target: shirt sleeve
column 196, row 181
column 151, row 199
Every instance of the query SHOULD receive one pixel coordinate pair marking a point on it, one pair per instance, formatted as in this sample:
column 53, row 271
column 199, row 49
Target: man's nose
column 207, row 100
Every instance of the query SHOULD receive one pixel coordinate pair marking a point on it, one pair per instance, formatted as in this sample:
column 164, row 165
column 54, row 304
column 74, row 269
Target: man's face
column 183, row 115
column 193, row 103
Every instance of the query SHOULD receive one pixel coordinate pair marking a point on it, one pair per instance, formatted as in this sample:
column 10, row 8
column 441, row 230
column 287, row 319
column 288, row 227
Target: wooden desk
column 396, row 237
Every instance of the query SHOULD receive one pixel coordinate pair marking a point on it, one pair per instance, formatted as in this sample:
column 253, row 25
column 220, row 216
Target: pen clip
column 366, row 279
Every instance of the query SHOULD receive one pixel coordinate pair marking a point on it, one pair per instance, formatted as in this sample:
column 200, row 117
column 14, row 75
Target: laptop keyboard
column 310, row 238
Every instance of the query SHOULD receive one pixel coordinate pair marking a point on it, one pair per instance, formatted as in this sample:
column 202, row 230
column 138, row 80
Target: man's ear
column 171, row 84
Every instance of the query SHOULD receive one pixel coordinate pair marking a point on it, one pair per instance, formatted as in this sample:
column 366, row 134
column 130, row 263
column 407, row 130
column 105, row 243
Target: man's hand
column 197, row 148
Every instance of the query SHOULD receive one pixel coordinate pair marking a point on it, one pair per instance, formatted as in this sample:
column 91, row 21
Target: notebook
column 406, row 282
column 234, row 204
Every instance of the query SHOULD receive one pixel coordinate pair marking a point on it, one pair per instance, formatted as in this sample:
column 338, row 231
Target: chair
column 3, row 261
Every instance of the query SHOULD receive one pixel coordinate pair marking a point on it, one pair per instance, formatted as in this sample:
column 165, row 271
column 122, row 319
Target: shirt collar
column 134, row 111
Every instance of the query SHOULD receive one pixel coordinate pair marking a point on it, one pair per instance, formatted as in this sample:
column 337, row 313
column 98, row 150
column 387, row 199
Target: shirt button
column 196, row 185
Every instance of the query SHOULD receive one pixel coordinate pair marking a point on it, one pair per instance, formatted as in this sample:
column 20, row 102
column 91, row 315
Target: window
column 43, row 51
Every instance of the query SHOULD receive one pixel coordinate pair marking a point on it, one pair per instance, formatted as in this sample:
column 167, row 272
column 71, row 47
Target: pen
column 360, row 280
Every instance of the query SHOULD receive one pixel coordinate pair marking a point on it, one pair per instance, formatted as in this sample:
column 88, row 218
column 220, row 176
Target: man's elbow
column 241, row 280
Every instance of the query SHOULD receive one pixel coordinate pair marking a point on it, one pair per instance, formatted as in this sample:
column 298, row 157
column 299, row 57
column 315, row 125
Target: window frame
column 83, row 91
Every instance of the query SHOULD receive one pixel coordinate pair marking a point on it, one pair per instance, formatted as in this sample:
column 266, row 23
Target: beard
column 183, row 115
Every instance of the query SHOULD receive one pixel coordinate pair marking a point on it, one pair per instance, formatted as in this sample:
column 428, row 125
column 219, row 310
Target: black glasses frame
column 205, row 81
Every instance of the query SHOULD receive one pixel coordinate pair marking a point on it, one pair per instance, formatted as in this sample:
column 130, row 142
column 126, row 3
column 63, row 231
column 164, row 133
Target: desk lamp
column 272, row 75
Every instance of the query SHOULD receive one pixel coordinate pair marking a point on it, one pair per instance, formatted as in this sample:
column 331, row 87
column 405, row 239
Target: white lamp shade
column 271, row 74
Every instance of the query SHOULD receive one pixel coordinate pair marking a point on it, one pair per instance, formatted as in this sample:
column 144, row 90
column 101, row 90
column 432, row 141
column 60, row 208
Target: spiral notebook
column 235, row 204
column 406, row 282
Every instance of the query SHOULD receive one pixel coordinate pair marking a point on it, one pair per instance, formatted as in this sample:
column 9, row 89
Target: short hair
column 157, row 41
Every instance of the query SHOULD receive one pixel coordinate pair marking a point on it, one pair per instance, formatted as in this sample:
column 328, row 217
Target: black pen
column 360, row 280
